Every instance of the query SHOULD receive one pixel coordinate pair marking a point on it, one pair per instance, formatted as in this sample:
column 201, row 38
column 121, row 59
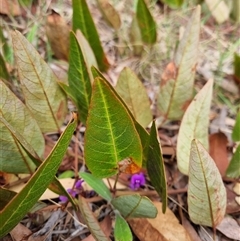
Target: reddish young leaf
column 218, row 151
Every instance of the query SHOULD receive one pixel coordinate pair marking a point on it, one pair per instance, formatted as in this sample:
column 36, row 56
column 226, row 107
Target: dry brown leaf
column 237, row 199
column 20, row 232
column 236, row 188
column 218, row 151
column 190, row 229
column 232, row 205
column 106, row 226
column 57, row 32
column 165, row 227
column 230, row 228
column 10, row 7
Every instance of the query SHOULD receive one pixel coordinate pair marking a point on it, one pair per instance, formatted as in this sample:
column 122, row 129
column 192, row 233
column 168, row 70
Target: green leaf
column 174, row 3
column 88, row 54
column 146, row 23
column 155, row 167
column 3, row 70
column 96, row 73
column 78, row 78
column 55, row 185
column 110, row 136
column 133, row 93
column 32, row 33
column 206, row 192
column 135, row 206
column 136, row 37
column 122, row 232
column 91, row 221
column 237, row 66
column 5, row 197
column 12, row 214
column 236, row 129
column 143, row 134
column 25, row 2
column 43, row 96
column 176, row 88
column 82, row 20
column 15, row 116
column 66, row 174
column 109, row 13
column 236, row 10
column 194, row 126
column 7, row 52
column 97, row 185
column 233, row 169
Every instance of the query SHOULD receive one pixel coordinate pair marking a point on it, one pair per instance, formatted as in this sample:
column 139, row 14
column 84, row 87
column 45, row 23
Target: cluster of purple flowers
column 72, row 191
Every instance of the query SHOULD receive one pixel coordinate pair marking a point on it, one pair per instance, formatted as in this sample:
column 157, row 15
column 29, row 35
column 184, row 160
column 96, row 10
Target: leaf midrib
column 108, row 122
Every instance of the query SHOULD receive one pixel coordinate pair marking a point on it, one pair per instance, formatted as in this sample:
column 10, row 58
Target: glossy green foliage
column 78, row 79
column 38, row 183
column 82, row 20
column 155, row 167
column 146, row 23
column 143, row 134
column 111, row 135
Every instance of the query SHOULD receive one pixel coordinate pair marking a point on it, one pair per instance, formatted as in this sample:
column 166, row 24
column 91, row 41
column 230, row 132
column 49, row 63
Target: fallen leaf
column 237, row 199
column 218, row 151
column 110, row 14
column 57, row 32
column 230, row 228
column 190, row 229
column 219, row 10
column 165, row 227
column 232, row 205
column 236, row 188
column 20, row 232
column 106, row 226
column 10, row 7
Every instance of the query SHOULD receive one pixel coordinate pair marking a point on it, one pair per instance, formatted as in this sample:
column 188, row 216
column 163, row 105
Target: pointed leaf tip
column 111, row 136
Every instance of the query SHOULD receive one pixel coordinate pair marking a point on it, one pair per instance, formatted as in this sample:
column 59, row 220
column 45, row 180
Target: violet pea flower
column 137, row 180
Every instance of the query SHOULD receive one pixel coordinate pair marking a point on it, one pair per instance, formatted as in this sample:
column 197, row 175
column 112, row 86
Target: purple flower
column 137, row 180
column 64, row 199
column 78, row 184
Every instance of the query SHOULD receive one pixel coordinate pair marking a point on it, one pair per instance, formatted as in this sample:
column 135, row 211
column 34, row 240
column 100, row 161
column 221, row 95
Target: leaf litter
column 149, row 68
